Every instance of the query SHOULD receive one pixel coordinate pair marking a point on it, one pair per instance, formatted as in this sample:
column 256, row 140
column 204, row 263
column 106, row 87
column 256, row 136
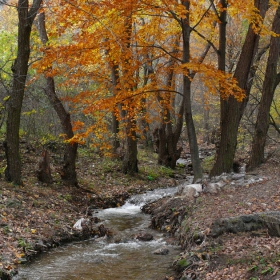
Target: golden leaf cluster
column 114, row 56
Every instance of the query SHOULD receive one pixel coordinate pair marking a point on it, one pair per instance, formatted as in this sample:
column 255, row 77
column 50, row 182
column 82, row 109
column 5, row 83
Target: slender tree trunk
column 232, row 110
column 169, row 132
column 145, row 125
column 44, row 171
column 148, row 70
column 115, row 131
column 198, row 174
column 206, row 126
column 269, row 86
column 130, row 162
column 68, row 173
column 223, row 103
column 115, row 121
column 20, row 69
column 168, row 152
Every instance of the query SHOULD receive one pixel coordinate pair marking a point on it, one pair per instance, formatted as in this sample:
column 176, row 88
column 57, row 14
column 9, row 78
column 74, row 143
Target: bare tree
column 68, row 173
column 271, row 80
column 26, row 17
column 232, row 110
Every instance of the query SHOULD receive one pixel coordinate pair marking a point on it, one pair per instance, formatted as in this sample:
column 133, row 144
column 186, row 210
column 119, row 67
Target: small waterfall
column 151, row 196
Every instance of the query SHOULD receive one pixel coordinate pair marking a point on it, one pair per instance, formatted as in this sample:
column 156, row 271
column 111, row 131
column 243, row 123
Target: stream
column 119, row 257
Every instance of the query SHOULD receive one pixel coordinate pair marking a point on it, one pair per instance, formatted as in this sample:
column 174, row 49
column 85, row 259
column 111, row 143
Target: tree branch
column 204, row 38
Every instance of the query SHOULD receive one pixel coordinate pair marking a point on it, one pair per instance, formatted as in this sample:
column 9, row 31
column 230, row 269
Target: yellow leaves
column 90, row 43
column 247, row 11
column 19, row 254
column 181, row 11
column 78, row 125
column 274, row 3
column 217, row 81
column 33, row 111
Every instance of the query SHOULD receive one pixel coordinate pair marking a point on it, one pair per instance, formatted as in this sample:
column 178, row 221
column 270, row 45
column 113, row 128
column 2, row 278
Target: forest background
column 121, row 84
column 110, row 75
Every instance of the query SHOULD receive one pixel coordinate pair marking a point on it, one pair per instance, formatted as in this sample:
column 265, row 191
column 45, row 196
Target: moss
column 185, row 226
column 208, row 163
column 183, row 264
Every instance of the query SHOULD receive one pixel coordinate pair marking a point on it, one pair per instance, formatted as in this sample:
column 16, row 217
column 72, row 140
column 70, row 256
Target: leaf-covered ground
column 252, row 255
column 37, row 213
column 37, row 216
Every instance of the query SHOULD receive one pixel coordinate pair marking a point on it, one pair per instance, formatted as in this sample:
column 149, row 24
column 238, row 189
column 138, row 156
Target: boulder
column 189, row 190
column 271, row 221
column 161, row 251
column 212, row 188
column 237, row 176
column 144, row 237
column 266, row 220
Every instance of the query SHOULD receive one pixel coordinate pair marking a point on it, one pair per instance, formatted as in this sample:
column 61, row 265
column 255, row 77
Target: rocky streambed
column 129, row 250
column 212, row 220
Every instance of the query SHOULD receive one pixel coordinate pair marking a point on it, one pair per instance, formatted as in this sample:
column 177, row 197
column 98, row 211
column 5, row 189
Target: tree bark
column 269, row 86
column 130, row 162
column 68, row 173
column 148, row 70
column 206, row 126
column 20, row 69
column 115, row 121
column 169, row 131
column 198, row 174
column 232, row 110
column 44, row 170
column 168, row 153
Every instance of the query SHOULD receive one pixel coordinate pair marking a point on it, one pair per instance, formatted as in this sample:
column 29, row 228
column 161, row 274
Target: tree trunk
column 198, row 174
column 206, row 126
column 20, row 69
column 169, row 132
column 130, row 162
column 232, row 110
column 68, row 173
column 269, row 86
column 44, row 170
column 115, row 122
column 148, row 70
column 168, row 153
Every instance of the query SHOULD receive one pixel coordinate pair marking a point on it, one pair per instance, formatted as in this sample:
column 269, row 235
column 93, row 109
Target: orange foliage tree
column 129, row 58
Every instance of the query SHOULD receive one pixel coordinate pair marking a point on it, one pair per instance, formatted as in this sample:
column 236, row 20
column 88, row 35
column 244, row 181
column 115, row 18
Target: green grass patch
column 208, row 163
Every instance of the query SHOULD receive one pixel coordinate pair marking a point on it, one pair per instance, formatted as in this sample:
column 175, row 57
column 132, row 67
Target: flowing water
column 120, row 257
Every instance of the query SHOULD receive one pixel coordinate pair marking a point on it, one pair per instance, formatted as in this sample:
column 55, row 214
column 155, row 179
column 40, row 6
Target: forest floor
column 251, row 255
column 37, row 216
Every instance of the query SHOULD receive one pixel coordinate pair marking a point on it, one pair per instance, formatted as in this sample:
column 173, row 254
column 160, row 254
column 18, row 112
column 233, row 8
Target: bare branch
column 204, row 38
column 205, row 13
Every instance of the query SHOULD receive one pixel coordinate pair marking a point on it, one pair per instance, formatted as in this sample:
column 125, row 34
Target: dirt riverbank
column 36, row 217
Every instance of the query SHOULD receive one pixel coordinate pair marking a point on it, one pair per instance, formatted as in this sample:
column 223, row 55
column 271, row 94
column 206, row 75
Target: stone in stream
column 121, row 240
column 161, row 251
column 144, row 237
column 189, row 190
